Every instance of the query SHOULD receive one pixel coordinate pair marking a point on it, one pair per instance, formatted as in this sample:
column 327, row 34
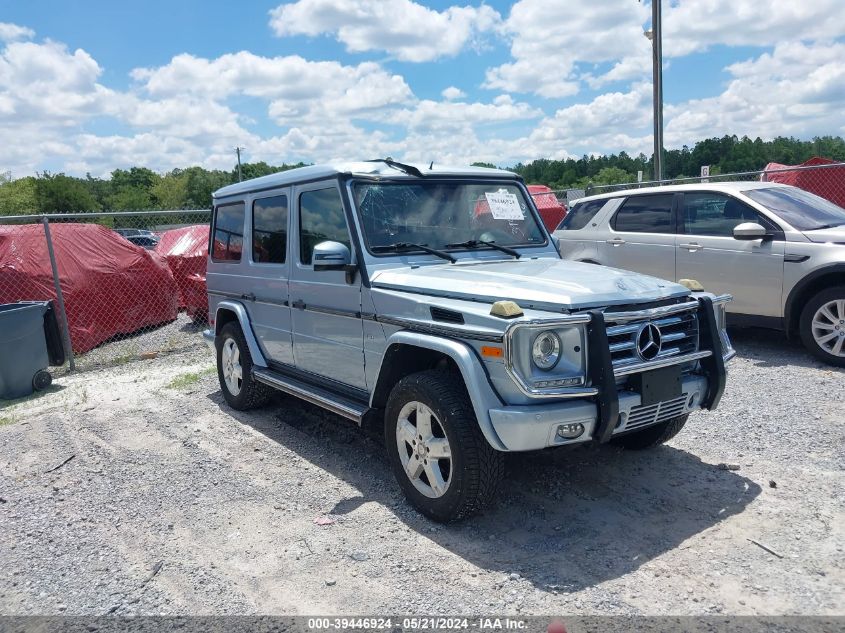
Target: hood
column 546, row 284
column 835, row 235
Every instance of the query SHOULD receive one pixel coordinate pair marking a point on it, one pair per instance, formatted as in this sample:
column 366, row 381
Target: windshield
column 443, row 214
column 803, row 210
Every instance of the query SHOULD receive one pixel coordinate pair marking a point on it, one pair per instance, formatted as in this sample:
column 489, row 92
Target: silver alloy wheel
column 232, row 371
column 424, row 449
column 828, row 327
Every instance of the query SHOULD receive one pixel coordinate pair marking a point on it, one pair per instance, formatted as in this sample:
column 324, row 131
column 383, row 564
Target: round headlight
column 546, row 350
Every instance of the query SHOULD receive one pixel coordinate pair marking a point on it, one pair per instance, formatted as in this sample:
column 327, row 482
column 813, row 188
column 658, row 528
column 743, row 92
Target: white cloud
column 10, row 32
column 696, row 26
column 445, row 117
column 549, row 39
column 798, row 89
column 451, row 93
column 405, row 29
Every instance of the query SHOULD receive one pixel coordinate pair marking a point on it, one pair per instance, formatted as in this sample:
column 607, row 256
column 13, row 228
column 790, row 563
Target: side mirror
column 750, row 231
column 331, row 256
column 334, row 256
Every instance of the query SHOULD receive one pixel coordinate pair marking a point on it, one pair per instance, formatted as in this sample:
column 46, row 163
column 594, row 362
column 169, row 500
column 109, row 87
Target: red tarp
column 186, row 252
column 551, row 211
column 110, row 286
column 828, row 183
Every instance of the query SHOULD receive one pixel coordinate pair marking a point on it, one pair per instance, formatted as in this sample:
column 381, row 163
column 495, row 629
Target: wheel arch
column 230, row 311
column 805, row 289
column 408, row 353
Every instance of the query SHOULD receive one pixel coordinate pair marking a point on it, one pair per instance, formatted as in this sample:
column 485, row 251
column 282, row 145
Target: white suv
column 779, row 250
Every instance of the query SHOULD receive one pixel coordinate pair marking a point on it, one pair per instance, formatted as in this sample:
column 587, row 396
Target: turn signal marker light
column 492, row 352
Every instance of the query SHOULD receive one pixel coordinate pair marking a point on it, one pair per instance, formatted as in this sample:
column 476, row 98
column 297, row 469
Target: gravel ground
column 171, row 503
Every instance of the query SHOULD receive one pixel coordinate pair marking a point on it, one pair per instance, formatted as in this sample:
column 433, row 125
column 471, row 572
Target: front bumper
column 614, row 411
column 532, row 427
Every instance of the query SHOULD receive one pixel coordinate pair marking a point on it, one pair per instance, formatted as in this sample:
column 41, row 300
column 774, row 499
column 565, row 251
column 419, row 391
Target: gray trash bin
column 25, row 351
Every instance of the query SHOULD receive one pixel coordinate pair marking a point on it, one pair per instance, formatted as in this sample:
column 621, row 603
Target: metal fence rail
column 116, row 301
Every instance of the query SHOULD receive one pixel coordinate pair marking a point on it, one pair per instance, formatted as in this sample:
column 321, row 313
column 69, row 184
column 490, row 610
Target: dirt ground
column 171, row 503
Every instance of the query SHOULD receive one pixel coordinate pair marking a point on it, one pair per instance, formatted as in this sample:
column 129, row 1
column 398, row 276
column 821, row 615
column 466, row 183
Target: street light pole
column 238, row 150
column 656, row 37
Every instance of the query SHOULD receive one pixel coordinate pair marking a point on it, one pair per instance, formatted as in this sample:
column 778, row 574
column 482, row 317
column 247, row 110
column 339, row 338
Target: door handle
column 616, row 241
column 691, row 246
column 299, row 304
column 249, row 296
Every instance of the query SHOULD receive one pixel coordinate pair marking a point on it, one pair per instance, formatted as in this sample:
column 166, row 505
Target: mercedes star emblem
column 649, row 341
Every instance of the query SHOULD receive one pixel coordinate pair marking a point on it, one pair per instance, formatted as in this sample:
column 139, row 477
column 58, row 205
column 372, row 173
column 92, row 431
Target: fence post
column 59, row 298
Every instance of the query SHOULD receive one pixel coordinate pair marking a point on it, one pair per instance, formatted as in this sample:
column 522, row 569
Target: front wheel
column 443, row 463
column 822, row 326
column 651, row 436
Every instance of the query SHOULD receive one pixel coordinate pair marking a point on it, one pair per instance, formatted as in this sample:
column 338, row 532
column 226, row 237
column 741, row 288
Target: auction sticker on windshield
column 504, row 206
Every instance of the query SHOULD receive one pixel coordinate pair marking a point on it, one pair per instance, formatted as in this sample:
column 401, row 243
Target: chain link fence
column 125, row 286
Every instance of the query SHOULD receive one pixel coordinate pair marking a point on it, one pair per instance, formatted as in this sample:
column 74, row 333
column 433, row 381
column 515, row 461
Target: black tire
column 651, row 436
column 252, row 394
column 475, row 468
column 805, row 325
column 41, row 380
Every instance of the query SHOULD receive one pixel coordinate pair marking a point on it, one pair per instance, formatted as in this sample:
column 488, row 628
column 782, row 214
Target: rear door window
column 270, row 230
column 645, row 214
column 228, row 237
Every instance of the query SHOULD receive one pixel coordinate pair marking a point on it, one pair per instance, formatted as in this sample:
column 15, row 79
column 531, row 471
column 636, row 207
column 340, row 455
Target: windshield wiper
column 408, row 169
column 477, row 243
column 405, row 246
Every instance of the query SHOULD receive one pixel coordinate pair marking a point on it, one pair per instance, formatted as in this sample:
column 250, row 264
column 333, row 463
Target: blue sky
column 89, row 86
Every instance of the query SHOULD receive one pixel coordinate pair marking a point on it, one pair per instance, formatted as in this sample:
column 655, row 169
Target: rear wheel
column 651, row 436
column 822, row 326
column 234, row 370
column 443, row 463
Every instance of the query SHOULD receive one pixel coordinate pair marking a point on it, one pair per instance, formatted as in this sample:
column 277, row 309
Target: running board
column 315, row 395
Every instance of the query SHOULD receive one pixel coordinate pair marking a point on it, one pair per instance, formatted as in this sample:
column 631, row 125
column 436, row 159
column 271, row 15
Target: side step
column 315, row 395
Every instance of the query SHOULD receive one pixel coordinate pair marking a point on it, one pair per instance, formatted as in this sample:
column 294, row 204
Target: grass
column 183, row 381
column 7, row 420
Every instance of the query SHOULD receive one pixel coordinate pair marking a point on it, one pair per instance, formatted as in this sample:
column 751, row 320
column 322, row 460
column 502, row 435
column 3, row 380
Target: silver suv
column 779, row 250
column 434, row 301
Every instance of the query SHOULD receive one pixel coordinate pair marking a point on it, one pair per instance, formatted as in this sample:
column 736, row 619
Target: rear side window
column 270, row 230
column 645, row 214
column 580, row 215
column 228, row 238
column 321, row 219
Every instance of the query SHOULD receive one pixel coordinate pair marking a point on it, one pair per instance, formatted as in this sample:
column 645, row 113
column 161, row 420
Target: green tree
column 18, row 197
column 171, row 192
column 57, row 193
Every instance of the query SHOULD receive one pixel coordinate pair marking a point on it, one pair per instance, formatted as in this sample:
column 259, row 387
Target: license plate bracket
column 658, row 385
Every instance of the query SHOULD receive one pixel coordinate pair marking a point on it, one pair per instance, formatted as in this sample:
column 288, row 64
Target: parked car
column 779, row 250
column 146, row 241
column 133, row 232
column 433, row 301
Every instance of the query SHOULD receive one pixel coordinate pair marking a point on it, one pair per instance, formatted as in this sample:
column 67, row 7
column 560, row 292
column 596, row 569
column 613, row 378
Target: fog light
column 570, row 431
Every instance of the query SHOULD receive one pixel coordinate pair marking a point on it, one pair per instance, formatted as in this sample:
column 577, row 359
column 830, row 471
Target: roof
column 736, row 186
column 370, row 169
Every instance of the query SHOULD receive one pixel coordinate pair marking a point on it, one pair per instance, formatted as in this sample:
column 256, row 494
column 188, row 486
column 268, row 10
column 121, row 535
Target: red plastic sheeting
column 186, row 252
column 828, row 183
column 110, row 286
column 551, row 210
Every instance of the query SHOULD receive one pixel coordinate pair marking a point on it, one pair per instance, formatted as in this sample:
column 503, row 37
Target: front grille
column 678, row 332
column 641, row 416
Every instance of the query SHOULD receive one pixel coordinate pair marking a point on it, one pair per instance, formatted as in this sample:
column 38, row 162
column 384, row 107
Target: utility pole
column 656, row 36
column 238, row 150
